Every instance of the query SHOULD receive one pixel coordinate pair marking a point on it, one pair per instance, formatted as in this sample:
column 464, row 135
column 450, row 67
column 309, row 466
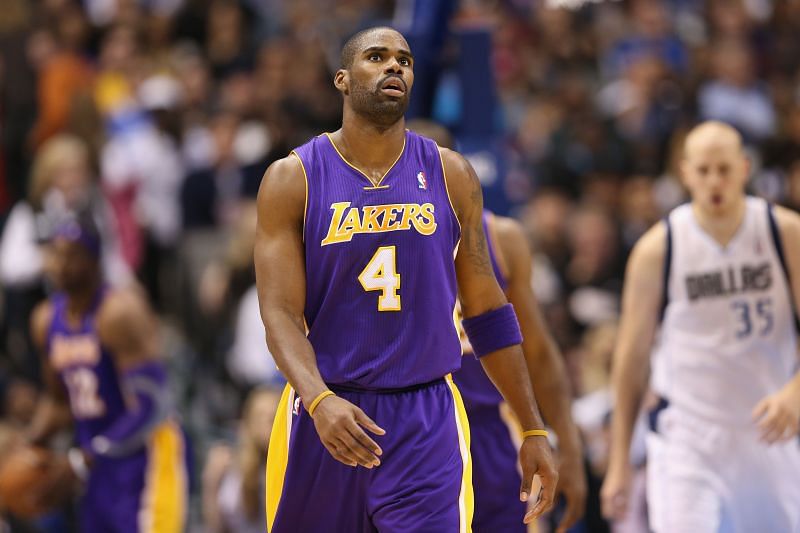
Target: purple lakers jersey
column 476, row 388
column 380, row 272
column 86, row 369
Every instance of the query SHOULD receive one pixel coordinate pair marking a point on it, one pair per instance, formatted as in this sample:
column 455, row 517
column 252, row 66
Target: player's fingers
column 367, row 422
column 574, row 510
column 527, row 483
column 546, row 498
column 760, row 409
column 336, row 452
column 614, row 501
column 365, row 441
column 773, row 431
column 364, row 457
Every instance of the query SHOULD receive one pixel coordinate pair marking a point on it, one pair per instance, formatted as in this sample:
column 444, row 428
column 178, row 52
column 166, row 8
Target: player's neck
column 724, row 226
column 371, row 148
column 79, row 302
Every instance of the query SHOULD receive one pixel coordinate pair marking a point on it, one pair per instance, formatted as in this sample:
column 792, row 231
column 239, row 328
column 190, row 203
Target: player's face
column 379, row 81
column 716, row 177
column 70, row 266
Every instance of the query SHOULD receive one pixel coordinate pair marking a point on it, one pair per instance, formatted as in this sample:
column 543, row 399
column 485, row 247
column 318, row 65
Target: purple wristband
column 493, row 330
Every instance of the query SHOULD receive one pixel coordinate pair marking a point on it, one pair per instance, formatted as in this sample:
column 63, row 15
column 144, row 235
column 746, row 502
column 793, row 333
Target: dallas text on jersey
column 750, row 278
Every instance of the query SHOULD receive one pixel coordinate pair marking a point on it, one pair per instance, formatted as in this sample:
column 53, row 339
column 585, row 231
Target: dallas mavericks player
column 723, row 450
column 364, row 237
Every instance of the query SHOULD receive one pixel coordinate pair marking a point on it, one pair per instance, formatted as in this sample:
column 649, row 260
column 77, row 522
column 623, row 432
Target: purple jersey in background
column 380, row 272
column 86, row 369
column 143, row 490
column 476, row 388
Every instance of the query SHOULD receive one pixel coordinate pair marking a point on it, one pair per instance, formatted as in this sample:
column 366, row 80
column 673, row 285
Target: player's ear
column 683, row 169
column 341, row 80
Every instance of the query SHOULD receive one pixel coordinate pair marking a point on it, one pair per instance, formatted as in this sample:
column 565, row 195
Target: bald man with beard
column 719, row 280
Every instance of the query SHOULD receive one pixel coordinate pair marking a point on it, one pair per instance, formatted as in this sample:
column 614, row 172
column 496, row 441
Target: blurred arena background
column 160, row 116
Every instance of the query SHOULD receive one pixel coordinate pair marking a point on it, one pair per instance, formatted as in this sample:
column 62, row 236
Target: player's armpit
column 477, row 285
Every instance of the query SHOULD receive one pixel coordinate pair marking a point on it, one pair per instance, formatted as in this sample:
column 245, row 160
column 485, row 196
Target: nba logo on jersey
column 422, row 183
column 296, row 406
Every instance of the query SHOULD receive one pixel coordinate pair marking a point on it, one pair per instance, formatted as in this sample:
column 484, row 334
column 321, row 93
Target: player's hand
column 615, row 491
column 536, row 457
column 572, row 486
column 339, row 425
column 60, row 485
column 778, row 415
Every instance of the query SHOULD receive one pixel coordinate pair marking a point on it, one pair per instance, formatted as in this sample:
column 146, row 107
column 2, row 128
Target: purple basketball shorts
column 495, row 477
column 423, row 483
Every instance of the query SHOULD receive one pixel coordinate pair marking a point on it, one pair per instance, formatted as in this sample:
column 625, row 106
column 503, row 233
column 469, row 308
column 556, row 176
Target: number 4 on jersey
column 380, row 274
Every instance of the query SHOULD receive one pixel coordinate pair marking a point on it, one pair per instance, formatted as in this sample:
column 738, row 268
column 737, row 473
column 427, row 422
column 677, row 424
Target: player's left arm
column 128, row 329
column 778, row 415
column 483, row 305
column 545, row 367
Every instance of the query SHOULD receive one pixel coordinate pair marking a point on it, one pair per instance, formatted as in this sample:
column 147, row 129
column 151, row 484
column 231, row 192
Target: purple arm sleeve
column 147, row 384
column 493, row 330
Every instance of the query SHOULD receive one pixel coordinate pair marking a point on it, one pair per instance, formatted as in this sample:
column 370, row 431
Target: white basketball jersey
column 728, row 333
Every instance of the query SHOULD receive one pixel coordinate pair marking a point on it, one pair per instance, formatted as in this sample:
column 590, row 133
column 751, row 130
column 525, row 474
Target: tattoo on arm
column 473, row 237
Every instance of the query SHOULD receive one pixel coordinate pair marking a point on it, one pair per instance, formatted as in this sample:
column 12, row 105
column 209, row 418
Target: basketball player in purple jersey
column 100, row 363
column 359, row 256
column 495, row 476
column 494, row 472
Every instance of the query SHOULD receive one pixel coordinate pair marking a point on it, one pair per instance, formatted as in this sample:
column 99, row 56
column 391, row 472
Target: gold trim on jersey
column 372, row 185
column 305, row 204
column 447, row 189
column 166, row 482
column 466, row 496
column 278, row 453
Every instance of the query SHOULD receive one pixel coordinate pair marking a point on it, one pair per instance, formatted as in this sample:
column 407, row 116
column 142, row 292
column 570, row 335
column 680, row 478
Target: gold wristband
column 534, row 433
column 322, row 395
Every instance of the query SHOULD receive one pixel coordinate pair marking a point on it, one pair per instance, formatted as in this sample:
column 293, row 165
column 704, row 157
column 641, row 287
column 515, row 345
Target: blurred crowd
column 159, row 117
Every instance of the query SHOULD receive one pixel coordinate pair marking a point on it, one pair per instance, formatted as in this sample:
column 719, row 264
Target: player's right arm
column 641, row 300
column 52, row 410
column 281, row 282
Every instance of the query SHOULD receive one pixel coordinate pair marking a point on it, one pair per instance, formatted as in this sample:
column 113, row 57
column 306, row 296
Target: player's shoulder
column 284, row 181
column 285, row 171
column 513, row 244
column 123, row 305
column 788, row 222
column 454, row 163
column 462, row 183
column 651, row 248
column 509, row 231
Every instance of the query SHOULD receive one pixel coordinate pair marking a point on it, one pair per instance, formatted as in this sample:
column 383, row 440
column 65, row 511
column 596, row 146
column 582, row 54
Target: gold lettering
column 410, row 212
column 351, row 224
column 347, row 221
column 390, row 221
column 333, row 235
column 426, row 222
column 370, row 223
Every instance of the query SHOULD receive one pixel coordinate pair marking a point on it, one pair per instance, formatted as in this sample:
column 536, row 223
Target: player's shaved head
column 710, row 135
column 715, row 168
column 357, row 42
